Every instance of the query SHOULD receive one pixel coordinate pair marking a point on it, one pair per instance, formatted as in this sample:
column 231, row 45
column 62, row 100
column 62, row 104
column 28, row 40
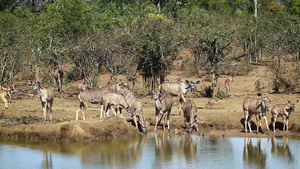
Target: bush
column 71, row 75
column 221, row 94
column 47, row 79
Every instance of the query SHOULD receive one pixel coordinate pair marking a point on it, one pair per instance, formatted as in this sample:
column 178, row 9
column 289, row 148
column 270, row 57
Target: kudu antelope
column 179, row 89
column 258, row 107
column 190, row 116
column 83, row 86
column 163, row 104
column 115, row 86
column 46, row 97
column 117, row 101
column 3, row 94
column 9, row 89
column 58, row 77
column 136, row 106
column 93, row 96
column 227, row 84
column 283, row 110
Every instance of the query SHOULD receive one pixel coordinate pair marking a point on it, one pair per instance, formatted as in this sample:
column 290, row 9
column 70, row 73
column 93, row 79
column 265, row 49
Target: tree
column 295, row 7
column 61, row 29
column 160, row 4
column 213, row 43
column 11, row 45
column 154, row 47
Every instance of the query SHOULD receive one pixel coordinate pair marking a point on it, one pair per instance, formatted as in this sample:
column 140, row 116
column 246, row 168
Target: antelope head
column 155, row 95
column 264, row 98
column 191, row 124
column 129, row 111
column 36, row 85
column 124, row 84
column 142, row 124
column 291, row 106
column 192, row 86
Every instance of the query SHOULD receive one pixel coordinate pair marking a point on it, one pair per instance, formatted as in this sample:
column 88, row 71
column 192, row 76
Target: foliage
column 144, row 36
column 155, row 48
column 274, row 7
column 213, row 43
column 10, row 47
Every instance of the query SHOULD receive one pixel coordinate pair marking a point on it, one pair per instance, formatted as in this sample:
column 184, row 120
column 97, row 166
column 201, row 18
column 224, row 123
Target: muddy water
column 154, row 151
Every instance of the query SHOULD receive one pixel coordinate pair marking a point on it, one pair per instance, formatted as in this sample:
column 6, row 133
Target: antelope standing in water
column 9, row 89
column 3, row 94
column 163, row 104
column 58, row 76
column 283, row 110
column 179, row 89
column 227, row 85
column 258, row 107
column 190, row 116
column 46, row 97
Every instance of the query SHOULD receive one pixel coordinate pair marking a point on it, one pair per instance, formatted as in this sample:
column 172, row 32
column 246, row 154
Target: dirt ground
column 218, row 117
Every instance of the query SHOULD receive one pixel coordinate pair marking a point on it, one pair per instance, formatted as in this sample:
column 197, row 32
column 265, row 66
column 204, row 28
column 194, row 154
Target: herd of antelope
column 117, row 96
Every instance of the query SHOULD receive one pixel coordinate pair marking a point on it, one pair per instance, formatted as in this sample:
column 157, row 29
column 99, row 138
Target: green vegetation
column 145, row 36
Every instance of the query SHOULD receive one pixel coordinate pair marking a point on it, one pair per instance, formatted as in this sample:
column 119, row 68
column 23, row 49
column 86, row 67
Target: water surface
column 154, row 151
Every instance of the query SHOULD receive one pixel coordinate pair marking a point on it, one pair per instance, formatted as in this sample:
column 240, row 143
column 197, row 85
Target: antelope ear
column 187, row 81
column 297, row 101
column 289, row 101
column 197, row 81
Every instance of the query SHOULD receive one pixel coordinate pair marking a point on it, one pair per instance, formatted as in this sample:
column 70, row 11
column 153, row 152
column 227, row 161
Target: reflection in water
column 117, row 152
column 167, row 147
column 253, row 154
column 282, row 151
column 189, row 147
column 114, row 152
column 163, row 148
column 47, row 160
column 153, row 151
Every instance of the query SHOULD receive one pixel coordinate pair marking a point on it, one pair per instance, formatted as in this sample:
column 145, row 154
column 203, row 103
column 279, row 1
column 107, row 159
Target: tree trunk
column 159, row 8
column 214, row 85
column 37, row 70
column 255, row 8
column 255, row 51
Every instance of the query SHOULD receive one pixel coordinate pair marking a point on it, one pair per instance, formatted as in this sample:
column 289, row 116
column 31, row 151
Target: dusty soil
column 218, row 117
